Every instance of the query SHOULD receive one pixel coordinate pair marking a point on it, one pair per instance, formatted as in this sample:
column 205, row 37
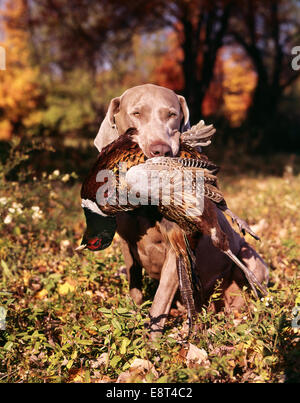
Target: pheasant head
column 99, row 232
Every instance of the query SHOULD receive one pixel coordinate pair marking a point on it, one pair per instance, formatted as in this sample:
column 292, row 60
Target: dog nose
column 160, row 150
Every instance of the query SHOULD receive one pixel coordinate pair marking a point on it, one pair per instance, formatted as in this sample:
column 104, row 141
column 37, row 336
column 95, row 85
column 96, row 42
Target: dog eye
column 172, row 114
column 136, row 113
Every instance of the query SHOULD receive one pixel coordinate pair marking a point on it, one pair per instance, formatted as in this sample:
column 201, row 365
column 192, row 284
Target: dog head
column 157, row 114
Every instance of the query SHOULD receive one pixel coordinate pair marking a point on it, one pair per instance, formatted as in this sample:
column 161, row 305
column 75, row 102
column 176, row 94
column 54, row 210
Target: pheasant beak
column 81, row 247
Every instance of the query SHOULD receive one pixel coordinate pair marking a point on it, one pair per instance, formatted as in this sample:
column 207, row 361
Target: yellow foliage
column 41, row 294
column 19, row 88
column 239, row 81
column 68, row 286
column 5, row 130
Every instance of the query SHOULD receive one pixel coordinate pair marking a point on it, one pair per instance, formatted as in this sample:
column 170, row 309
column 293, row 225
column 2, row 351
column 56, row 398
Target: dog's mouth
column 172, row 152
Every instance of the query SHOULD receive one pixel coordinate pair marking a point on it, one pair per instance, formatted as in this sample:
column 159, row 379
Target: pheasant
column 100, row 217
column 126, row 150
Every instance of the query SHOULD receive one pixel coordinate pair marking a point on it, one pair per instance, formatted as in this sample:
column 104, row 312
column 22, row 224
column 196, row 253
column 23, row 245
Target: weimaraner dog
column 155, row 112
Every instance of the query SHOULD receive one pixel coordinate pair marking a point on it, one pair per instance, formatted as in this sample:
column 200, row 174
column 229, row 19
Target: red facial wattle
column 94, row 244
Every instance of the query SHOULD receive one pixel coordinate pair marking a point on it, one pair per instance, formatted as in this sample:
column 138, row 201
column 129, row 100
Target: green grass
column 65, row 312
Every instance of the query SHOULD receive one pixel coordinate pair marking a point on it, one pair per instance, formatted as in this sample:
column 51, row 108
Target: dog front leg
column 134, row 273
column 165, row 293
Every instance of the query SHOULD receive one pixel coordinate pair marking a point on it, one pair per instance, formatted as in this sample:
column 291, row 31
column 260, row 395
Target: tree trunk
column 211, row 25
column 189, row 66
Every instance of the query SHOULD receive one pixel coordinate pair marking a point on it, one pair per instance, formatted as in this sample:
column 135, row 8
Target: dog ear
column 113, row 109
column 108, row 131
column 185, row 124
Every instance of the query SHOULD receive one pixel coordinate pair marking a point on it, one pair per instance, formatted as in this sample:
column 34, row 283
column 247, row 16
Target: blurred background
column 232, row 60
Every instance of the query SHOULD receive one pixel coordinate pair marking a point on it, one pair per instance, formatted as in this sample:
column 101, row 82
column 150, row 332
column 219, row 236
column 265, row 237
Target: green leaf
column 116, row 324
column 6, row 271
column 104, row 328
column 17, row 231
column 85, row 342
column 115, row 360
column 104, row 310
column 125, row 343
column 125, row 366
column 74, row 355
column 163, row 379
column 8, row 345
column 122, row 310
column 87, row 377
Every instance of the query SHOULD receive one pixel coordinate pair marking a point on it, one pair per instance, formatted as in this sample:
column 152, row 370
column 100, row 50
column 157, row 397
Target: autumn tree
column 97, row 37
column 19, row 89
column 168, row 70
column 96, row 34
column 204, row 25
column 268, row 30
column 238, row 83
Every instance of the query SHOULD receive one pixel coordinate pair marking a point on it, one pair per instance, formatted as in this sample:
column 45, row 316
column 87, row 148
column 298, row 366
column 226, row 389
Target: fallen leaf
column 139, row 368
column 66, row 287
column 126, row 377
column 102, row 360
column 102, row 379
column 77, row 375
column 41, row 294
column 144, row 366
column 26, row 277
column 196, row 356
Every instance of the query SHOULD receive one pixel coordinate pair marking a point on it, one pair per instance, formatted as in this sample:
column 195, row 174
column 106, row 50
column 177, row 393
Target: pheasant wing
column 199, row 135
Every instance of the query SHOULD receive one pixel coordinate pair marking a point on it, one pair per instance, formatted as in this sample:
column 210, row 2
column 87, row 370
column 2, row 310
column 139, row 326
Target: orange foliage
column 238, row 85
column 232, row 87
column 168, row 72
column 212, row 102
column 18, row 83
